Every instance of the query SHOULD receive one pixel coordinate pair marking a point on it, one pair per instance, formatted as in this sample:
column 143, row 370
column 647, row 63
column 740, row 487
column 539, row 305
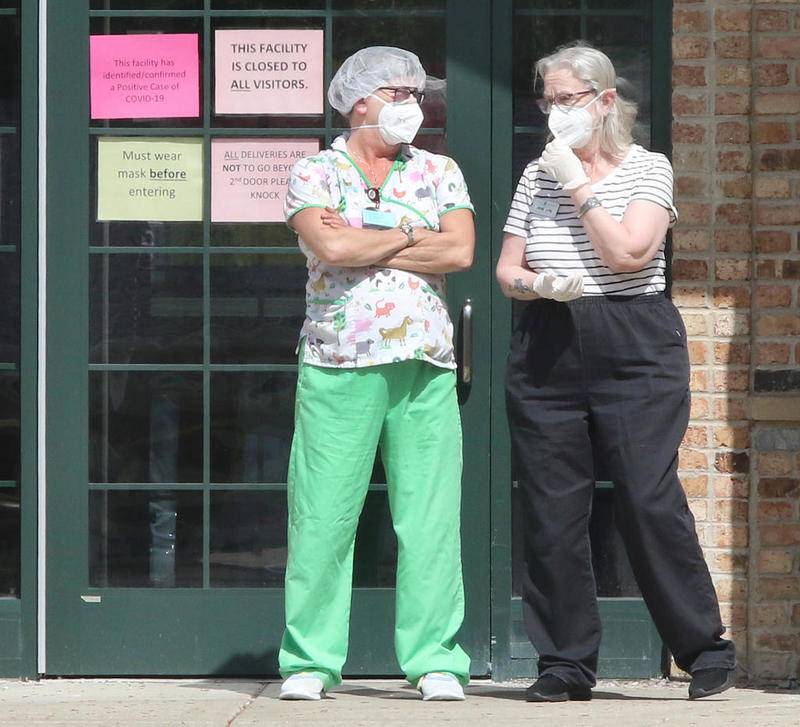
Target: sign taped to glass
column 144, row 76
column 249, row 177
column 268, row 71
column 149, row 179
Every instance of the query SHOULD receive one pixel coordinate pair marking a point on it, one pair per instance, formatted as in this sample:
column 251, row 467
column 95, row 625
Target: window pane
column 145, row 427
column 146, row 308
column 9, row 189
column 9, row 70
column 248, row 539
column 9, row 543
column 145, row 539
column 9, row 427
column 252, row 422
column 9, row 307
column 137, row 25
column 257, row 306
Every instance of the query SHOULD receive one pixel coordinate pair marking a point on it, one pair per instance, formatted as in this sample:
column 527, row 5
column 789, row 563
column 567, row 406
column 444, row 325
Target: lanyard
column 374, row 193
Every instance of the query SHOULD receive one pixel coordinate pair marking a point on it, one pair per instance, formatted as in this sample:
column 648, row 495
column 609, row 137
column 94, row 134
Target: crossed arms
column 335, row 242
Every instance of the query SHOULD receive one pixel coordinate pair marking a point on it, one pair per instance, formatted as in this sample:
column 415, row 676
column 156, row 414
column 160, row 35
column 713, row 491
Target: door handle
column 466, row 342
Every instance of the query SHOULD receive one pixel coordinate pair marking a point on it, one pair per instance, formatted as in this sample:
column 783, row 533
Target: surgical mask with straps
column 573, row 126
column 398, row 123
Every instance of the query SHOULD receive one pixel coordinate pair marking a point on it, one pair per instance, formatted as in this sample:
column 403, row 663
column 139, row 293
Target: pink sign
column 249, row 177
column 144, row 76
column 268, row 71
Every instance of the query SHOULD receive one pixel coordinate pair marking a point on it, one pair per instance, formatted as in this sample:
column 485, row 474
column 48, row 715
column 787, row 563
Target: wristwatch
column 589, row 204
column 408, row 231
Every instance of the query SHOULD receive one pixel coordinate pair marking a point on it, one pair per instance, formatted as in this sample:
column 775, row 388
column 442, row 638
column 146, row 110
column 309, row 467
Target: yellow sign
column 149, row 179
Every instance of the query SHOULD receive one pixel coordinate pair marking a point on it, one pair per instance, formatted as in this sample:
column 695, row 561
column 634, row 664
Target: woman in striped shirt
column 598, row 371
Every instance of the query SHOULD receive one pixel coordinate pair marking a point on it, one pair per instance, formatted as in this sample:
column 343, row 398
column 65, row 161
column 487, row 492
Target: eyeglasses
column 403, row 93
column 562, row 100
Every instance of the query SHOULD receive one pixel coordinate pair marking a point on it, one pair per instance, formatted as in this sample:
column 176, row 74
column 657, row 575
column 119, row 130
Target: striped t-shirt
column 542, row 213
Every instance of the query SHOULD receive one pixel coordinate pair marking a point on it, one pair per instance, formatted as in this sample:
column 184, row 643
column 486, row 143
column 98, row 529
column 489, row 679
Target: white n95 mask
column 398, row 123
column 573, row 127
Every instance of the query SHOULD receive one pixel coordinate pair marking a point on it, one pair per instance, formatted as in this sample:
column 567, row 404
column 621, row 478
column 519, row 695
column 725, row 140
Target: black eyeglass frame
column 416, row 93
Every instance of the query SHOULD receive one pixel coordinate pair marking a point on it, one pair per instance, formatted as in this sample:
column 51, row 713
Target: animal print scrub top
column 371, row 315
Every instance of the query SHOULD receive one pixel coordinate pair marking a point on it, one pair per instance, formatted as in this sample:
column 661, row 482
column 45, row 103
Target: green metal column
column 469, row 98
column 67, row 383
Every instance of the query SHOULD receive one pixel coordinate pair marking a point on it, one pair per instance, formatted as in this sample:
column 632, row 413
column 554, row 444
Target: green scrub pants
column 341, row 416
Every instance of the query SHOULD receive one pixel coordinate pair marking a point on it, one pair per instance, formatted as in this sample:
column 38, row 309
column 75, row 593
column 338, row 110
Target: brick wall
column 736, row 269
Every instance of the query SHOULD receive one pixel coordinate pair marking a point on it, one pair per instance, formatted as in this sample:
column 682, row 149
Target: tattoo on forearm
column 519, row 287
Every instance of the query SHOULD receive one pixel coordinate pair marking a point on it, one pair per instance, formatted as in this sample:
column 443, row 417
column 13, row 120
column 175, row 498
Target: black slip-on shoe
column 549, row 688
column 706, row 682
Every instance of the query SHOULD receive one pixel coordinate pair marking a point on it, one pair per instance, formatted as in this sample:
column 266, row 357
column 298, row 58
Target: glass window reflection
column 145, row 539
column 248, row 539
column 10, row 190
column 9, row 542
column 9, row 427
column 145, row 427
column 9, row 307
column 146, row 308
column 9, row 70
column 252, row 423
column 257, row 307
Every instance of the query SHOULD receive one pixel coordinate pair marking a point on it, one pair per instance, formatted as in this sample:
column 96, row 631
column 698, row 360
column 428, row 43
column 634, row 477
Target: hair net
column 369, row 69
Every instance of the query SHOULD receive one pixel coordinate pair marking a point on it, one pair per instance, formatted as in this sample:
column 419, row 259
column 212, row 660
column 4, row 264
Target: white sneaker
column 439, row 686
column 302, row 686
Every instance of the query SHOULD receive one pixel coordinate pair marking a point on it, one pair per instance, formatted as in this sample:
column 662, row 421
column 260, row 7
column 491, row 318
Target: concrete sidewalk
column 219, row 703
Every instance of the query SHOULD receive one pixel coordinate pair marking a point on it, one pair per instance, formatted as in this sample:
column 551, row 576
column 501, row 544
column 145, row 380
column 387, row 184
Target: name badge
column 544, row 207
column 374, row 218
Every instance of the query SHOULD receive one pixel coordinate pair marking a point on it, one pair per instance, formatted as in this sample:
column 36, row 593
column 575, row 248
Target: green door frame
column 512, row 655
column 469, row 90
column 18, row 615
column 66, row 391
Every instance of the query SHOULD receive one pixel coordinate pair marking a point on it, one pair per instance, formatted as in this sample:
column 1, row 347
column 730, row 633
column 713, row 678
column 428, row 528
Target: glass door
column 173, row 319
column 636, row 36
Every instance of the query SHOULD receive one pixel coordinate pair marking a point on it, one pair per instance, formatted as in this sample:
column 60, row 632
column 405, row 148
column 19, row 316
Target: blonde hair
column 595, row 69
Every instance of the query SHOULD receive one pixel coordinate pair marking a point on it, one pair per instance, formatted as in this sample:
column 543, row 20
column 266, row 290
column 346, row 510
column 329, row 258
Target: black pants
column 606, row 379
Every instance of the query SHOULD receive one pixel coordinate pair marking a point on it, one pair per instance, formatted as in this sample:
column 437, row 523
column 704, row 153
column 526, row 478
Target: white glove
column 560, row 162
column 558, row 287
